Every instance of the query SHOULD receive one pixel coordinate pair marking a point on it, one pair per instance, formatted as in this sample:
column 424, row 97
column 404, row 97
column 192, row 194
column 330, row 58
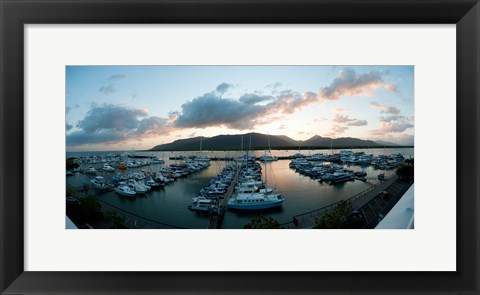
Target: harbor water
column 168, row 206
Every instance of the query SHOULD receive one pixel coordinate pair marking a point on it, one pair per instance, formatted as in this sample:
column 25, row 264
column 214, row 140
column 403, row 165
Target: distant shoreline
column 255, row 149
column 284, row 148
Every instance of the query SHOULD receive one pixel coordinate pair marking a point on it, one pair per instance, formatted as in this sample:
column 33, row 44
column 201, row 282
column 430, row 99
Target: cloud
column 69, row 108
column 110, row 88
column 385, row 109
column 337, row 130
column 397, row 126
column 274, row 85
column 68, row 127
column 340, row 119
column 211, row 109
column 116, row 77
column 288, row 101
column 110, row 123
column 358, row 123
column 390, row 110
column 224, row 87
column 349, row 83
column 254, row 98
column 391, row 118
column 111, row 116
column 107, row 90
column 394, row 122
column 153, row 126
column 391, row 87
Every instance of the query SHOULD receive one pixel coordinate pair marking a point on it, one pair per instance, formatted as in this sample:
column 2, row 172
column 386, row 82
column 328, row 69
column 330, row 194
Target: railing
column 300, row 218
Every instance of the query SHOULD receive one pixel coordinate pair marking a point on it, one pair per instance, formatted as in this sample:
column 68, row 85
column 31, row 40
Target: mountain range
column 257, row 141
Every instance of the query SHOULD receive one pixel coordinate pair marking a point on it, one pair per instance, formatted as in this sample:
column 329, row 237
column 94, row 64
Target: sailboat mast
column 268, row 137
column 265, row 162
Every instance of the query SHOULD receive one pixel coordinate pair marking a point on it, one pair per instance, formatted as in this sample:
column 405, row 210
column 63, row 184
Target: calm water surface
column 169, row 205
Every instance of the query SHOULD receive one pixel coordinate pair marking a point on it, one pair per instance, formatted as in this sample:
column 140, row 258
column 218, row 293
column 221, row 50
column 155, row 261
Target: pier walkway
column 373, row 212
column 216, row 218
column 307, row 220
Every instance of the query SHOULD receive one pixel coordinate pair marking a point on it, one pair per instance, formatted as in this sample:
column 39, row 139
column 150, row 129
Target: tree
column 71, row 164
column 336, row 217
column 114, row 217
column 71, row 191
column 90, row 207
column 262, row 222
column 406, row 171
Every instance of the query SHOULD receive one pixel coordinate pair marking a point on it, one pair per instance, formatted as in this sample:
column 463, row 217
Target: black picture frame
column 14, row 14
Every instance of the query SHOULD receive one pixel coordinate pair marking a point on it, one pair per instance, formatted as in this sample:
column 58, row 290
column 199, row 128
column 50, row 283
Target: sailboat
column 202, row 158
column 265, row 190
column 268, row 158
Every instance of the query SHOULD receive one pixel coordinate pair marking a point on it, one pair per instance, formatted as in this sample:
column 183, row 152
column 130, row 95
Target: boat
column 153, row 184
column 156, row 160
column 98, row 182
column 202, row 204
column 201, row 157
column 72, row 201
column 326, row 177
column 255, row 201
column 107, row 167
column 268, row 158
column 340, row 176
column 137, row 187
column 360, row 173
column 122, row 166
column 125, row 190
column 90, row 170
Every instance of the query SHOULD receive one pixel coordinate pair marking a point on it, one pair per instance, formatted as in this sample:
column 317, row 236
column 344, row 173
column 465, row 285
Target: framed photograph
column 205, row 145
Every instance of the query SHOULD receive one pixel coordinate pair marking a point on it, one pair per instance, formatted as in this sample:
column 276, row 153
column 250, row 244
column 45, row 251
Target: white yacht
column 90, row 170
column 124, row 190
column 202, row 204
column 98, row 182
column 268, row 158
column 255, row 201
column 153, row 184
column 107, row 167
column 135, row 186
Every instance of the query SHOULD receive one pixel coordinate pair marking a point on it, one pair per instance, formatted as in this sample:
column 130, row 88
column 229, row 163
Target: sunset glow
column 125, row 107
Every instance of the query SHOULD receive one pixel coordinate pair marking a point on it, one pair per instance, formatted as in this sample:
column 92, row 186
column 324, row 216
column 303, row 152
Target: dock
column 216, row 217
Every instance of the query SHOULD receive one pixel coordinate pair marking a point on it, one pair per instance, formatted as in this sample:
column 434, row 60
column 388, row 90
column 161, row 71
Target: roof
column 402, row 214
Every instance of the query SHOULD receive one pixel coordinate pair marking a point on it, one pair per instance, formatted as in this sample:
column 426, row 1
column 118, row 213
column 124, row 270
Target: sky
column 120, row 108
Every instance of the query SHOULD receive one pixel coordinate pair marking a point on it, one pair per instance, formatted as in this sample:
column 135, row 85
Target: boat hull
column 264, row 205
column 125, row 194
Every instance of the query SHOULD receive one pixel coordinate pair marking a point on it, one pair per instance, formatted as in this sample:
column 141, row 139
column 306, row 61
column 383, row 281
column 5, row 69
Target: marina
column 204, row 194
